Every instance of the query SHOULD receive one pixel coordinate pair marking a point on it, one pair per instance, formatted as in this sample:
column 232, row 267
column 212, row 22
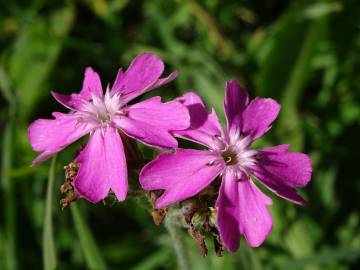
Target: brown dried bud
column 158, row 215
column 70, row 198
column 67, row 188
column 199, row 239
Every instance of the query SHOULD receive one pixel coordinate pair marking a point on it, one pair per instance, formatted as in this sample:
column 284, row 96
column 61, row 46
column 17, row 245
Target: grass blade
column 49, row 252
column 290, row 119
column 90, row 250
column 9, row 197
column 155, row 260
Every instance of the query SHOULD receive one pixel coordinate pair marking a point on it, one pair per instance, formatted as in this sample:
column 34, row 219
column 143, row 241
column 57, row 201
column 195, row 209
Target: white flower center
column 99, row 111
column 239, row 158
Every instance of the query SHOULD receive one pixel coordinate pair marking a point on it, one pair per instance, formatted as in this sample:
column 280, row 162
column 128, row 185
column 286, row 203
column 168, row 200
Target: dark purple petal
column 282, row 171
column 241, row 210
column 182, row 174
column 204, row 128
column 102, row 167
column 236, row 100
column 50, row 136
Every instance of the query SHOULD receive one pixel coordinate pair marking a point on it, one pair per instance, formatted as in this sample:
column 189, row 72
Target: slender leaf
column 155, row 260
column 38, row 45
column 5, row 85
column 90, row 250
column 9, row 192
column 289, row 122
column 49, row 252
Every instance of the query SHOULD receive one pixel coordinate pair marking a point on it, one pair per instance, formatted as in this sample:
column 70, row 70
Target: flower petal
column 91, row 85
column 241, row 210
column 72, row 102
column 102, row 167
column 163, row 81
column 147, row 133
column 117, row 83
column 50, row 136
column 282, row 171
column 258, row 116
column 142, row 75
column 204, row 128
column 171, row 115
column 182, row 174
column 236, row 100
column 151, row 121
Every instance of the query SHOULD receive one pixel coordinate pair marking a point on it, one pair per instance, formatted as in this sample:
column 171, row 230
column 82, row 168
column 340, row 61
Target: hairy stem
column 178, row 244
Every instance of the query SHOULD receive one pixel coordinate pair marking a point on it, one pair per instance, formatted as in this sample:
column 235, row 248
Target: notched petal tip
column 258, row 116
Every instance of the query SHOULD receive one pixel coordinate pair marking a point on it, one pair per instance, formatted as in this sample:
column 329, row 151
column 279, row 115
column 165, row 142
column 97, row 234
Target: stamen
column 229, row 156
column 100, row 110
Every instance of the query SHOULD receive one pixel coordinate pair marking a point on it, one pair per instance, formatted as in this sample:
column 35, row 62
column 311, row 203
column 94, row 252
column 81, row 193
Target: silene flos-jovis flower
column 102, row 162
column 241, row 206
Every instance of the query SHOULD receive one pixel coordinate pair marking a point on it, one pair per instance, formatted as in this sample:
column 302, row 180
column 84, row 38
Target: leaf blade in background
column 8, row 187
column 290, row 128
column 91, row 252
column 155, row 260
column 5, row 85
column 38, row 45
column 49, row 251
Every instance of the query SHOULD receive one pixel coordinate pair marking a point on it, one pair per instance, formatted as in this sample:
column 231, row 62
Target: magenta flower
column 241, row 206
column 102, row 162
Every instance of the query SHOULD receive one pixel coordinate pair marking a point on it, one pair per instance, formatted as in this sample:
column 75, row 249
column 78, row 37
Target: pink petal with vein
column 50, row 136
column 242, row 211
column 102, row 167
column 182, row 174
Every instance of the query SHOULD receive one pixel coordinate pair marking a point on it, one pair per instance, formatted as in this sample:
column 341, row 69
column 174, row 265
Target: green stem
column 49, row 252
column 178, row 245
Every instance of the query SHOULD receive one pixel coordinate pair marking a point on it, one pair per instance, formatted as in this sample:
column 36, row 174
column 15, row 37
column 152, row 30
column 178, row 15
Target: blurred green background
column 305, row 54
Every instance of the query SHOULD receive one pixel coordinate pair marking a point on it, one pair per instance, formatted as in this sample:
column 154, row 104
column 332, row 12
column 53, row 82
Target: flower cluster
column 225, row 172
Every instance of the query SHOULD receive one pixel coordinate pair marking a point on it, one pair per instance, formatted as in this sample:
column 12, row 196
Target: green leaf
column 155, row 260
column 5, row 85
column 9, row 192
column 321, row 9
column 248, row 258
column 285, row 59
column 49, row 252
column 290, row 120
column 90, row 250
column 36, row 50
column 325, row 256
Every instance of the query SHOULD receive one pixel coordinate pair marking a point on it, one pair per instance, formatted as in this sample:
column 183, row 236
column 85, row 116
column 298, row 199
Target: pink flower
column 241, row 206
column 102, row 162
